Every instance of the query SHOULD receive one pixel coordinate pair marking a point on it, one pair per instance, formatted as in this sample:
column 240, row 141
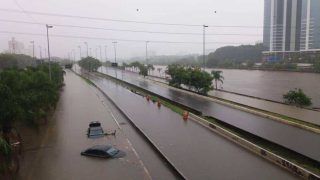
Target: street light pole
column 105, row 52
column 79, row 52
column 87, row 48
column 115, row 51
column 32, row 42
column 147, row 52
column 47, row 26
column 40, row 51
column 204, row 47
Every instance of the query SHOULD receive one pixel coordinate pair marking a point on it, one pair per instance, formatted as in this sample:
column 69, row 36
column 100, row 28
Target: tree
column 200, row 81
column 143, row 70
column 217, row 76
column 150, row 67
column 297, row 97
column 193, row 78
column 89, row 63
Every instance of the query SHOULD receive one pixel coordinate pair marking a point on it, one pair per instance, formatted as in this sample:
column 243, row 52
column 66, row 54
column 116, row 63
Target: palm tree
column 217, row 76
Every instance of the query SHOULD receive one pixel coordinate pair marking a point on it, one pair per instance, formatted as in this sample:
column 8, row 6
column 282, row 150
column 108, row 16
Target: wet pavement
column 299, row 140
column 306, row 115
column 196, row 151
column 265, row 84
column 54, row 152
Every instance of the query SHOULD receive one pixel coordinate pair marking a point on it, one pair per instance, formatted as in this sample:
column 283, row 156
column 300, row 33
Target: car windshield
column 112, row 151
column 96, row 132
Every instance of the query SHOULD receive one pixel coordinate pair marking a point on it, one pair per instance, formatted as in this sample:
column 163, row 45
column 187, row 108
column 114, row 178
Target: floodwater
column 265, row 84
column 196, row 151
column 296, row 139
column 54, row 153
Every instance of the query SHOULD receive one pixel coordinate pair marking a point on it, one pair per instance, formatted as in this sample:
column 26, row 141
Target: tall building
column 291, row 25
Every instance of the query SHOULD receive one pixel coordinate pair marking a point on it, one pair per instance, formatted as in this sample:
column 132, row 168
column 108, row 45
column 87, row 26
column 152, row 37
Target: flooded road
column 196, row 151
column 54, row 153
column 299, row 140
column 266, row 84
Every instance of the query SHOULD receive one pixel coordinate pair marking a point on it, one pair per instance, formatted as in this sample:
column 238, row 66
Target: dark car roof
column 100, row 147
column 94, row 124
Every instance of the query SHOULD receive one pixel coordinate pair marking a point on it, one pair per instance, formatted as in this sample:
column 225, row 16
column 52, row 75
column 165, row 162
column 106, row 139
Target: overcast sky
column 228, row 13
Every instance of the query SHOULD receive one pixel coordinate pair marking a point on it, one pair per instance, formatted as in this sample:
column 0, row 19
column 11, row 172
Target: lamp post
column 48, row 27
column 87, row 48
column 105, row 54
column 147, row 52
column 32, row 42
column 115, row 51
column 204, row 47
column 79, row 52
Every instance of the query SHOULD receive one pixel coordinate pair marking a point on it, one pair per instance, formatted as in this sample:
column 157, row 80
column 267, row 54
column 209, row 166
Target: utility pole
column 47, row 26
column 32, row 42
column 115, row 51
column 74, row 55
column 105, row 52
column 147, row 52
column 79, row 52
column 40, row 51
column 87, row 48
column 204, row 47
column 100, row 53
column 90, row 53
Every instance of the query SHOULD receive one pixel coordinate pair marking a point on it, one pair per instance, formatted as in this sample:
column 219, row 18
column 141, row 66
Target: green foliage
column 89, row 63
column 143, row 70
column 217, row 76
column 193, row 78
column 279, row 66
column 28, row 94
column 233, row 56
column 297, row 97
column 16, row 61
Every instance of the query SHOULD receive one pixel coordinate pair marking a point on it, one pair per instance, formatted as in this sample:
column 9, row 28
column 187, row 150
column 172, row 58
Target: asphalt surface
column 306, row 115
column 53, row 153
column 196, row 151
column 296, row 139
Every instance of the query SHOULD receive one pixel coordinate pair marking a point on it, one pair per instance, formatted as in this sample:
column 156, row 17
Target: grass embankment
column 283, row 117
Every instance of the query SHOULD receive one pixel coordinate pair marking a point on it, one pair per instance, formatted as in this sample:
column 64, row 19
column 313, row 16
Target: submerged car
column 103, row 151
column 95, row 130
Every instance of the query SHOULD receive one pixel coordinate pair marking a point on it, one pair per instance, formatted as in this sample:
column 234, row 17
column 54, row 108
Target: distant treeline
column 227, row 56
column 230, row 56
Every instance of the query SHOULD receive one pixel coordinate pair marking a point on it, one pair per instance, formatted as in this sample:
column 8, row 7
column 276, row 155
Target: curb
column 275, row 159
column 246, row 108
column 292, row 167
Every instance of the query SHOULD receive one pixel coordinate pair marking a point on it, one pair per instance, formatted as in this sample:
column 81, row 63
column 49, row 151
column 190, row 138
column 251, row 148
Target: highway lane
column 53, row 153
column 196, row 151
column 296, row 139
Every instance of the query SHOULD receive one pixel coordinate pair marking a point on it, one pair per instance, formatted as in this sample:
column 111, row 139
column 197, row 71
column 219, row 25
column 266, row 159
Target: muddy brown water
column 195, row 150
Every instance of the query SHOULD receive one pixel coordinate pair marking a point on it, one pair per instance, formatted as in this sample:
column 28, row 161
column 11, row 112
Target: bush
column 28, row 94
column 89, row 63
column 193, row 78
column 297, row 97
